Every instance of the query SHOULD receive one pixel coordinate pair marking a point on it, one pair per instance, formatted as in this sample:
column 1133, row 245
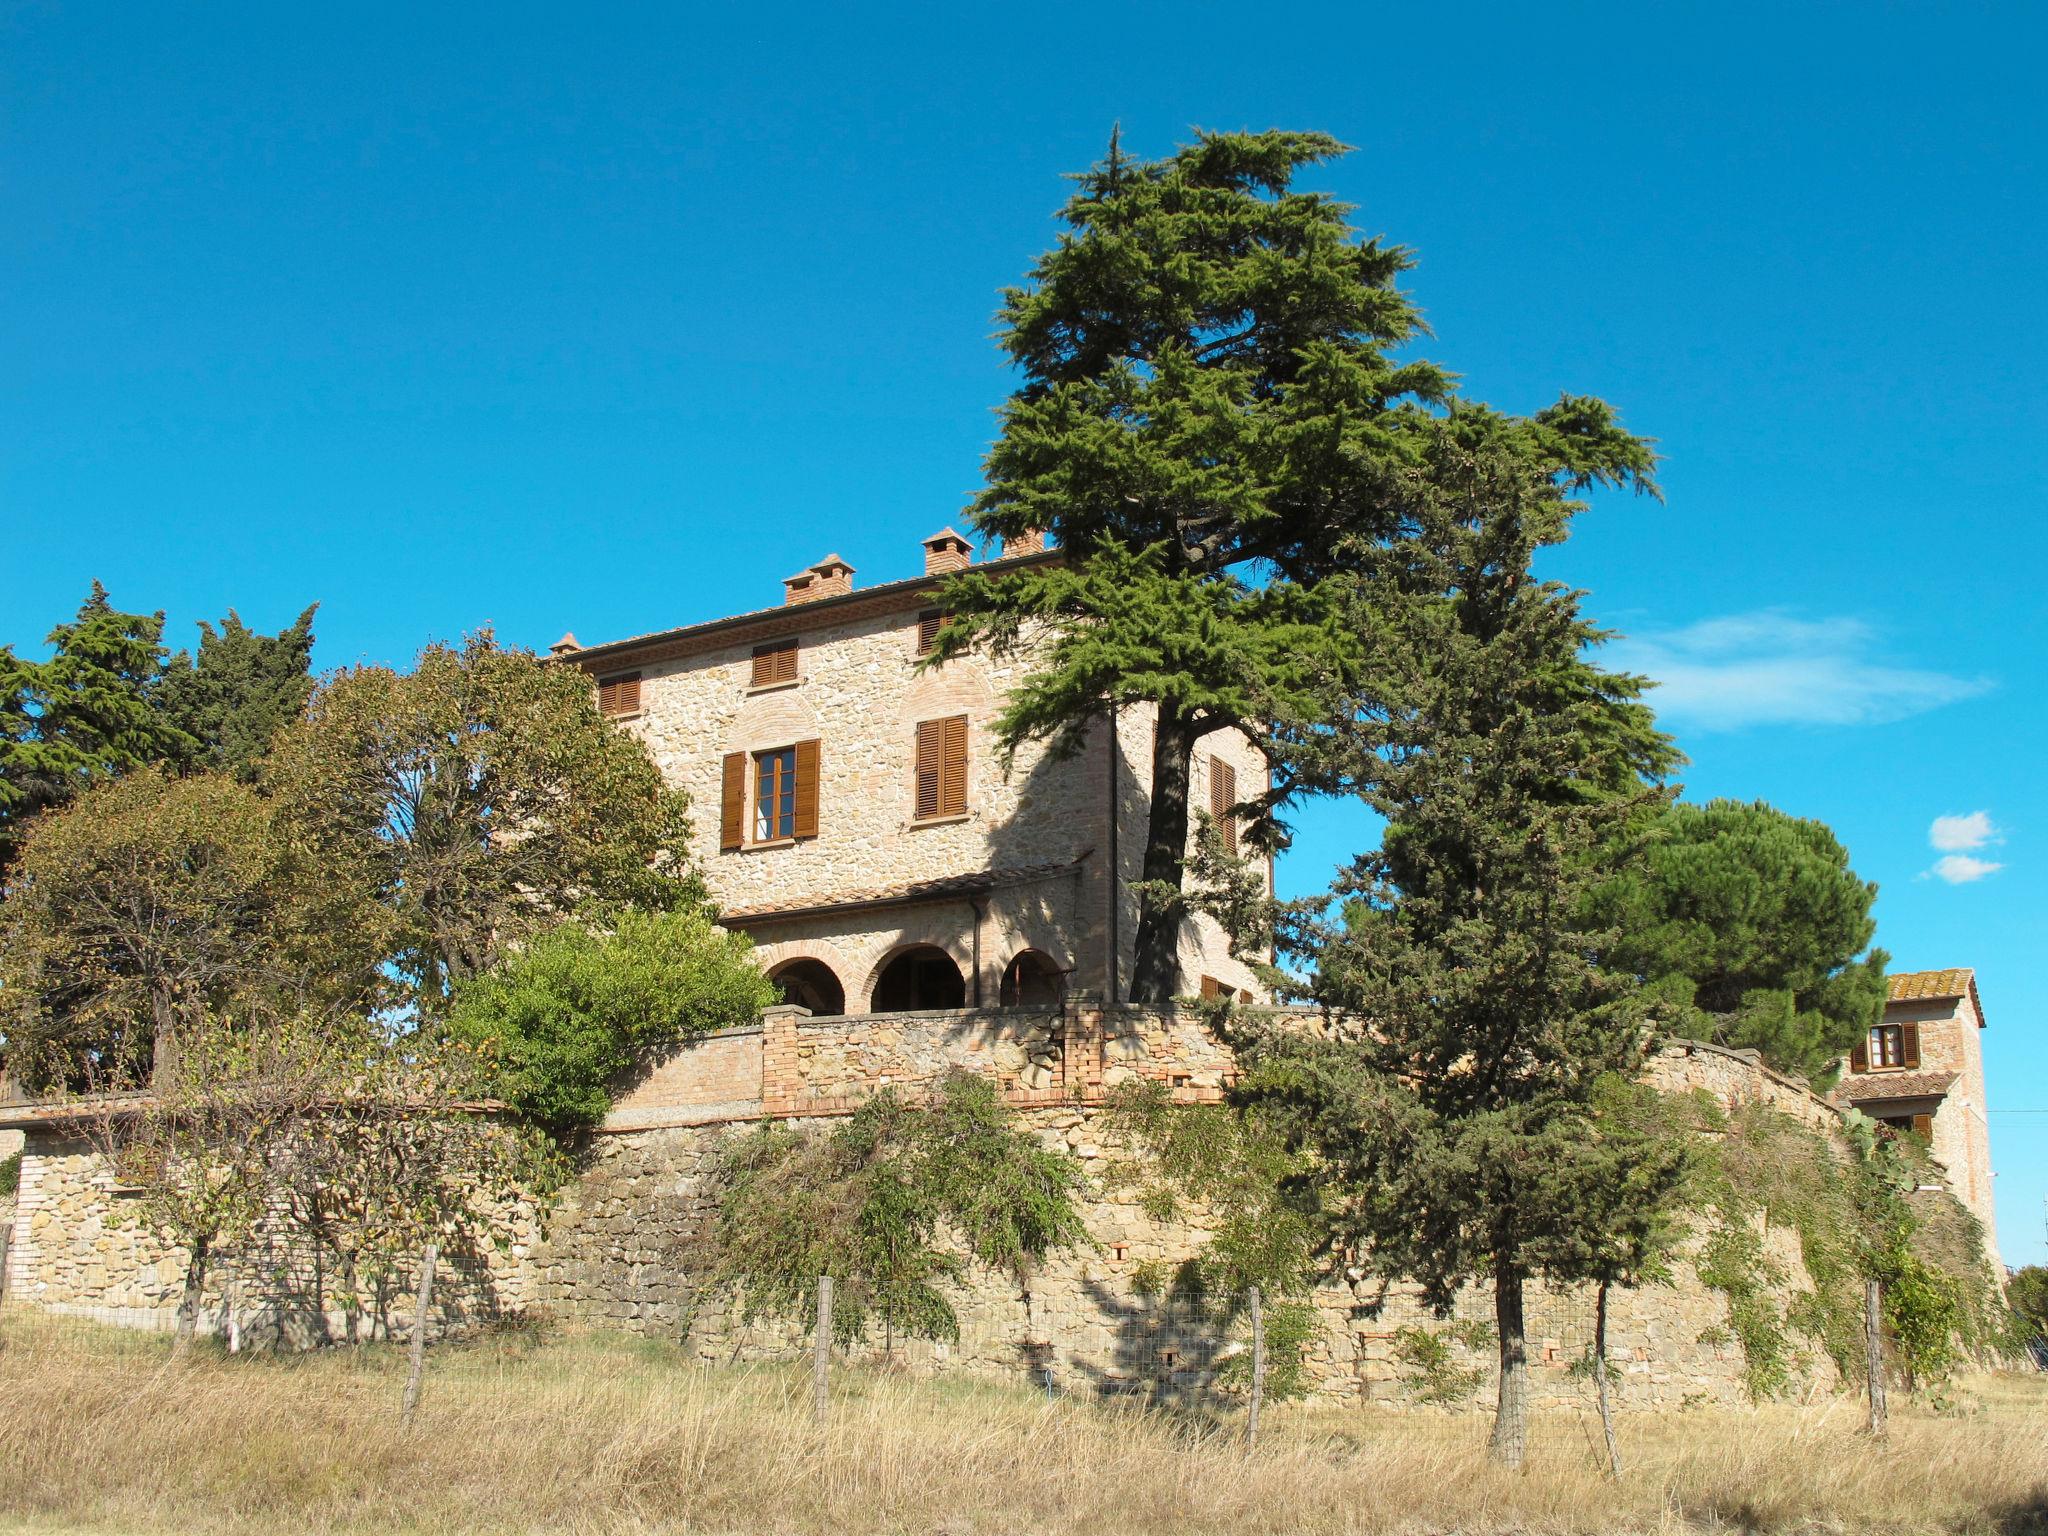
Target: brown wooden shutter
column 732, row 805
column 1211, row 987
column 1859, row 1053
column 619, row 695
column 928, row 625
column 931, row 738
column 775, row 662
column 953, row 771
column 1222, row 796
column 1923, row 1125
column 1909, row 1045
column 806, row 811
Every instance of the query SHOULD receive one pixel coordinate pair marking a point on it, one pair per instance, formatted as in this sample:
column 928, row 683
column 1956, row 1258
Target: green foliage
column 894, row 1204
column 461, row 808
column 565, row 1017
column 2026, row 1293
column 132, row 912
column 10, row 1175
column 90, row 712
column 1210, row 413
column 240, row 691
column 1435, row 1376
column 1857, row 1206
column 1751, row 921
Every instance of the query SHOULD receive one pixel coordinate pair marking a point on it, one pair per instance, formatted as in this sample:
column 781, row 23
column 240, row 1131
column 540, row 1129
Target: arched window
column 1032, row 981
column 921, row 977
column 810, row 984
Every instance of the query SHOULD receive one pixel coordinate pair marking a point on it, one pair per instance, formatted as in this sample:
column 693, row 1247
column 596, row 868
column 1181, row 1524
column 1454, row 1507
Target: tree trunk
column 422, row 1311
column 188, row 1303
column 1155, row 968
column 164, row 1046
column 1511, row 1413
column 1600, row 1381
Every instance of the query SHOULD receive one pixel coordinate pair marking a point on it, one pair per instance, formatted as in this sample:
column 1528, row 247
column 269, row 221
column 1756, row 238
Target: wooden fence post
column 821, row 1348
column 1251, row 1428
column 421, row 1311
column 1873, row 1351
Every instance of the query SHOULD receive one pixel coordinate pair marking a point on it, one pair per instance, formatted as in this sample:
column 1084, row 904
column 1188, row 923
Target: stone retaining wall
column 617, row 1249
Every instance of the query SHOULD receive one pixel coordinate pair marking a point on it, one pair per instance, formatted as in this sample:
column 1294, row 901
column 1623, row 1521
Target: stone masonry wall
column 618, row 1249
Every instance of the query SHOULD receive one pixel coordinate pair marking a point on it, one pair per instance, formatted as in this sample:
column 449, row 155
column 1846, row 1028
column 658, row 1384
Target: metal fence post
column 1873, row 1351
column 821, row 1348
column 1251, row 1428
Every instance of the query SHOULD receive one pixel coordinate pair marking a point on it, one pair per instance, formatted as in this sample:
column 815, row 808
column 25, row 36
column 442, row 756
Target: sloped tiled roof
column 919, row 890
column 1936, row 986
column 1875, row 1087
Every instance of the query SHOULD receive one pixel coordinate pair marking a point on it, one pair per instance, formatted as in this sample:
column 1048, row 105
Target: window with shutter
column 1887, row 1046
column 775, row 662
column 940, row 778
column 1923, row 1127
column 928, row 625
column 619, row 695
column 1222, row 796
column 1909, row 1046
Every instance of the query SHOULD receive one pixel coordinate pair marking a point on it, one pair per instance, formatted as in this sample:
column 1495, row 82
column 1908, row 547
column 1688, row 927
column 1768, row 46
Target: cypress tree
column 1467, row 1123
column 241, row 690
column 93, row 710
column 1211, row 411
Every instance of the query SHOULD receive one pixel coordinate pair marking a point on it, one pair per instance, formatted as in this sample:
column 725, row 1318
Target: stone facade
column 619, row 1250
column 1037, row 858
column 1922, row 1070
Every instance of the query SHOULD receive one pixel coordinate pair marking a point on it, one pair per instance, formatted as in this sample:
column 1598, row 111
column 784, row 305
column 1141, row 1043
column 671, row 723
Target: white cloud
column 1960, row 868
column 1772, row 668
column 1953, row 834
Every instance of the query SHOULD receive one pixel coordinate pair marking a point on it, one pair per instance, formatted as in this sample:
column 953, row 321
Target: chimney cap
column 947, row 536
column 831, row 563
column 565, row 645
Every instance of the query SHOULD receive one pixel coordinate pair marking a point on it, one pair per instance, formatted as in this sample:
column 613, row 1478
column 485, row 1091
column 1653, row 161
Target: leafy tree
column 1211, row 412
column 893, row 1204
column 2026, row 1293
column 199, row 1150
column 469, row 804
column 1751, row 922
column 1465, row 1129
column 93, row 710
column 131, row 914
column 240, row 691
column 562, row 1019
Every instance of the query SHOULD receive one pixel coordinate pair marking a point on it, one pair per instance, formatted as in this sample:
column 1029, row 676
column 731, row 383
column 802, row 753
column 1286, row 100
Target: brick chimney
column 947, row 551
column 830, row 577
column 565, row 646
column 1032, row 543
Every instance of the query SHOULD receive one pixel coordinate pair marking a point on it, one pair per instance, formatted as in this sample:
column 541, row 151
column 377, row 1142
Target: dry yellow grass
column 102, row 1435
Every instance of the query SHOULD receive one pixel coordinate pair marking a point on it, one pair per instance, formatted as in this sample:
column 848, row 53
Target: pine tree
column 1211, row 411
column 93, row 710
column 240, row 691
column 1463, row 1124
column 1752, row 923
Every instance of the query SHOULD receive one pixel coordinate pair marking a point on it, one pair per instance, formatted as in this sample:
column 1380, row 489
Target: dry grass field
column 100, row 1433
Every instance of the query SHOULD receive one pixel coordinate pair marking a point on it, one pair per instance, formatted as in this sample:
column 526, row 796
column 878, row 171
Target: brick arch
column 892, row 947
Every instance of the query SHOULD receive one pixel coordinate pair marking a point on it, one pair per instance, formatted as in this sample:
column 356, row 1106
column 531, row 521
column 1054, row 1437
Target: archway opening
column 920, row 978
column 1032, row 981
column 810, row 984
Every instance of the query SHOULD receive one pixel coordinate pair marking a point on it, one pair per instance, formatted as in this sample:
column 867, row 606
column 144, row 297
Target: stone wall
column 623, row 1245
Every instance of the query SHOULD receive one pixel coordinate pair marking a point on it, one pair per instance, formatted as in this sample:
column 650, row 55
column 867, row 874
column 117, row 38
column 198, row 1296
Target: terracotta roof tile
column 920, row 890
column 1918, row 984
column 1876, row 1087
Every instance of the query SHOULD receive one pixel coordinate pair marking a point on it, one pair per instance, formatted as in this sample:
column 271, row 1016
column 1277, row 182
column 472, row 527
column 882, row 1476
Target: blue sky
column 608, row 317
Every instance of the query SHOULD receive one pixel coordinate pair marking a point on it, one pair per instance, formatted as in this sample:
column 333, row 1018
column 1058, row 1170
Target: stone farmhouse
column 1922, row 1070
column 868, row 835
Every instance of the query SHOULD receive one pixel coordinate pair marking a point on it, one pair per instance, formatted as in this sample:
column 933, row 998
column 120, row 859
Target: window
column 1222, row 796
column 941, row 777
column 774, row 794
column 619, row 695
column 784, row 784
column 775, row 662
column 928, row 625
column 1888, row 1046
